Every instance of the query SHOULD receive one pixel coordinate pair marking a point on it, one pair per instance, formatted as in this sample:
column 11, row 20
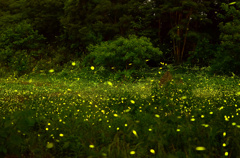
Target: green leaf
column 66, row 145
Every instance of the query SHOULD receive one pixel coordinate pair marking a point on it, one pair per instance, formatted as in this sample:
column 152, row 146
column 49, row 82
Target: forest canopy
column 198, row 33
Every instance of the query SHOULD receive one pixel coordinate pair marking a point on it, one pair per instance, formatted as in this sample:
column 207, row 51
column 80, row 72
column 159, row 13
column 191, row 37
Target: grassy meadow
column 81, row 114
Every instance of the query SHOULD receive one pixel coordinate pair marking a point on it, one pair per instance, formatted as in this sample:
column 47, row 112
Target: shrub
column 4, row 72
column 5, row 56
column 21, row 37
column 19, row 44
column 123, row 54
column 20, row 62
column 203, row 54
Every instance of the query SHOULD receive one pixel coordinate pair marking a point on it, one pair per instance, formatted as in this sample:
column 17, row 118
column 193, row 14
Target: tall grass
column 79, row 114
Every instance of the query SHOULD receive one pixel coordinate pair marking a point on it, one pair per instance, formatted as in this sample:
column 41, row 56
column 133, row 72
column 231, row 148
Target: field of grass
column 65, row 115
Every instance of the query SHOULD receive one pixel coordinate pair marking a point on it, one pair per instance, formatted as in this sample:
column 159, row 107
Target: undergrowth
column 80, row 114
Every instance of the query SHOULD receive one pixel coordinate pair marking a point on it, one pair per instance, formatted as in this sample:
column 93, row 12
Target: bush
column 5, row 56
column 4, row 72
column 19, row 44
column 225, row 63
column 122, row 54
column 203, row 54
column 20, row 62
column 21, row 37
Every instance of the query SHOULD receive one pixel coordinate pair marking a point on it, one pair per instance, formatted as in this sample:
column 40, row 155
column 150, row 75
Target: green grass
column 73, row 114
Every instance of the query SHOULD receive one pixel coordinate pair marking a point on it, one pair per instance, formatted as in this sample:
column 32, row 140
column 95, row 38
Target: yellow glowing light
column 127, row 110
column 232, row 3
column 135, row 133
column 224, row 134
column 104, row 154
column 110, row 83
column 49, row 145
column 51, row 70
column 200, row 148
column 184, row 97
column 152, row 151
column 226, row 153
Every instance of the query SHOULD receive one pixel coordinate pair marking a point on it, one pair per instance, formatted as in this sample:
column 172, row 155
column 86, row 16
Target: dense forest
column 202, row 33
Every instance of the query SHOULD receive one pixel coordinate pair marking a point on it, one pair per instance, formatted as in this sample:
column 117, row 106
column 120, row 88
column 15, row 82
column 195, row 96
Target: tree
column 79, row 16
column 45, row 16
column 180, row 15
column 227, row 60
column 10, row 13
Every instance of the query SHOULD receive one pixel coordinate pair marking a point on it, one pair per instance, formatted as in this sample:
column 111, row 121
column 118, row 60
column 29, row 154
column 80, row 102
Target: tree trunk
column 178, row 44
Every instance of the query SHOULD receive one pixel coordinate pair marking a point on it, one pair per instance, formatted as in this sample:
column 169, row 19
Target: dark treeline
column 197, row 32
